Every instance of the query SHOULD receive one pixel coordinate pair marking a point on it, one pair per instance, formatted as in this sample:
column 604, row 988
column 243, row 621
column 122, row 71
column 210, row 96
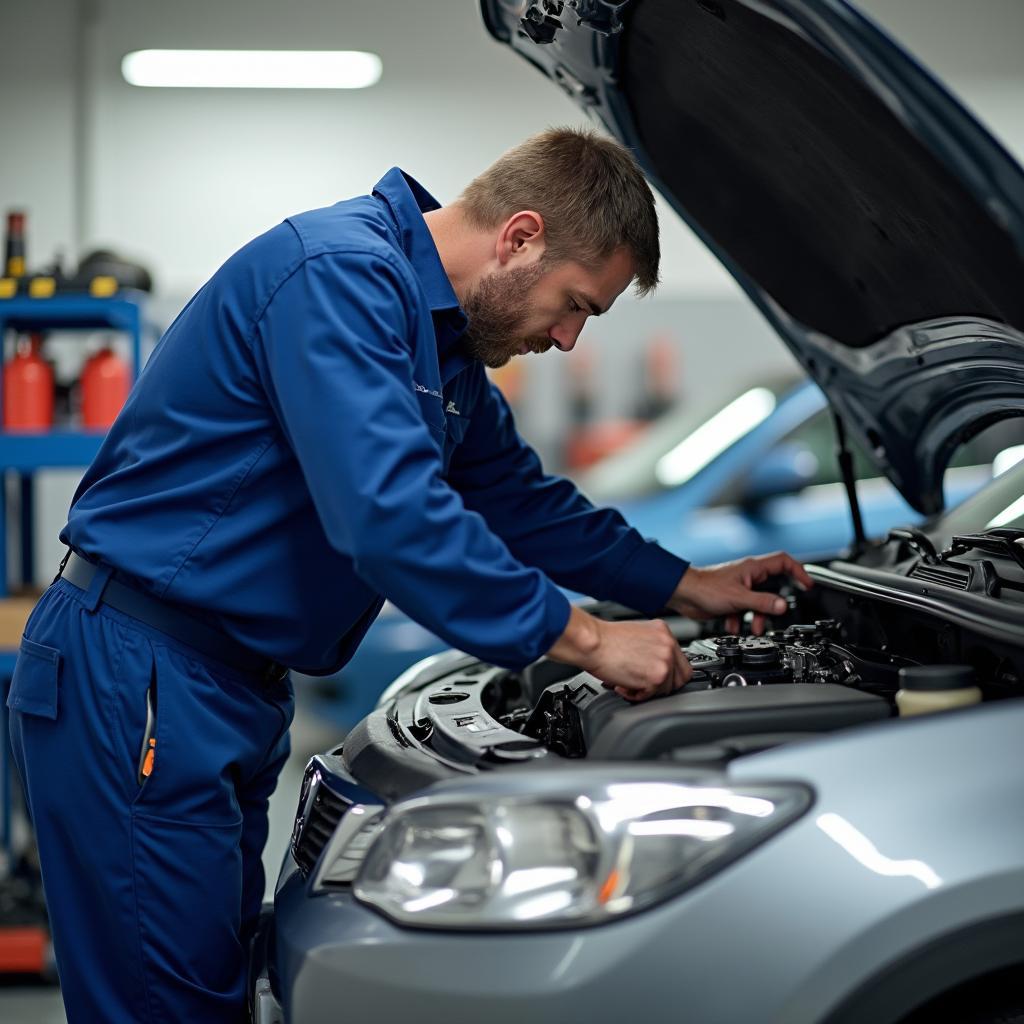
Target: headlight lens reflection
column 510, row 861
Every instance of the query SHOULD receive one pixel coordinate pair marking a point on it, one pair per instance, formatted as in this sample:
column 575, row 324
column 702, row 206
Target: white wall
column 37, row 95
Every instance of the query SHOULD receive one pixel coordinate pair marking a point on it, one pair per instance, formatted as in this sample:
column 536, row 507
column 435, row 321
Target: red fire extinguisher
column 106, row 382
column 28, row 388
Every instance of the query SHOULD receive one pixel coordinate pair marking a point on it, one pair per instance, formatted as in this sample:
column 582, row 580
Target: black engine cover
column 616, row 731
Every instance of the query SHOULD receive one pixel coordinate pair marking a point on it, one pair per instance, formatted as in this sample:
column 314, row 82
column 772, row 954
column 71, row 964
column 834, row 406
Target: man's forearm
column 580, row 640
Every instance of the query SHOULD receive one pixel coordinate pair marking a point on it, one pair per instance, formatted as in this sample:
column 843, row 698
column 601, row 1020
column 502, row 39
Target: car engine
column 747, row 693
column 798, row 679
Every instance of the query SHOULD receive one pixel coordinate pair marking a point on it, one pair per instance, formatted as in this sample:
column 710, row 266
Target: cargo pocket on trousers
column 188, row 890
column 35, row 685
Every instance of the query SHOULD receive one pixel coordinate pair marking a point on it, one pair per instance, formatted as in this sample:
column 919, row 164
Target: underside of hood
column 877, row 225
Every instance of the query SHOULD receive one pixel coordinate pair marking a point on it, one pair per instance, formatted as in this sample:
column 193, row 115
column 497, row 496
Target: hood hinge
column 542, row 20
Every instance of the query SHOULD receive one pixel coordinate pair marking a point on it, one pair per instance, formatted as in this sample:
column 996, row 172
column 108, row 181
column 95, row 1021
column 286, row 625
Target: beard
column 497, row 310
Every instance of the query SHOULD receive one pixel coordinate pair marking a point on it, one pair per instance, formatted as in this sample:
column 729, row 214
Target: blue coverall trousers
column 152, row 887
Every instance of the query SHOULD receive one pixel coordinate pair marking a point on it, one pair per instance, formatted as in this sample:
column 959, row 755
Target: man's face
column 531, row 308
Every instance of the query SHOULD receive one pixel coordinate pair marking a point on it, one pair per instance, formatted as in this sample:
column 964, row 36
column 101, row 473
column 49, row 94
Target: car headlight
column 554, row 858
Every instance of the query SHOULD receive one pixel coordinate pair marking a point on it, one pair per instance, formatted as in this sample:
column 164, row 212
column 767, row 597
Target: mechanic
column 315, row 433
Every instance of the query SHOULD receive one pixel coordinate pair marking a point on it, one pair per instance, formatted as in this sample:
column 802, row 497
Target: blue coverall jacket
column 307, row 437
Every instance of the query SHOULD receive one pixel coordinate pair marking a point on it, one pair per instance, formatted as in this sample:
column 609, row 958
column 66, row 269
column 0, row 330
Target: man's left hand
column 728, row 589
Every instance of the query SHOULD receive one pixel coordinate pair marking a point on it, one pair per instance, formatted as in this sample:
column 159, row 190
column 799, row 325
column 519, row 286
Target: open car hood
column 876, row 224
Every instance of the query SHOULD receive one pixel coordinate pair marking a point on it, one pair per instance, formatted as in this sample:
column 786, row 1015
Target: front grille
column 320, row 811
column 944, row 575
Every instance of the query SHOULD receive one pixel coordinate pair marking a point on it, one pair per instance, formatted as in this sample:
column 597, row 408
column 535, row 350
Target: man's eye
column 573, row 307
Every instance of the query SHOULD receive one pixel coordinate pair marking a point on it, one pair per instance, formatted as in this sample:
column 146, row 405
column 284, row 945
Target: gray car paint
column 783, row 935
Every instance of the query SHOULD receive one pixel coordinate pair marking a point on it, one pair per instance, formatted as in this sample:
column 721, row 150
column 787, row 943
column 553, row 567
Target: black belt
column 166, row 618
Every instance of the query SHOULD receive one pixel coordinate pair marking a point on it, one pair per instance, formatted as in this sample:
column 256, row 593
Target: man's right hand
column 637, row 660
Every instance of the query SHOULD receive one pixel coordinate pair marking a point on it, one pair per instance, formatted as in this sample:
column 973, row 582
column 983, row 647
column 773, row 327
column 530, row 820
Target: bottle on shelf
column 14, row 244
column 106, row 381
column 28, row 388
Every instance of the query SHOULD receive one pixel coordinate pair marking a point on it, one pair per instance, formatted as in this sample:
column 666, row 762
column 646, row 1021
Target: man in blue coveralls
column 315, row 433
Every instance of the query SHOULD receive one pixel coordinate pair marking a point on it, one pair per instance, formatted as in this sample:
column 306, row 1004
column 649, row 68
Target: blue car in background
column 754, row 473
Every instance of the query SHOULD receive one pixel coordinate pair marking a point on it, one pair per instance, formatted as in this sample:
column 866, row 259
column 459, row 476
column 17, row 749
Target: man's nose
column 564, row 337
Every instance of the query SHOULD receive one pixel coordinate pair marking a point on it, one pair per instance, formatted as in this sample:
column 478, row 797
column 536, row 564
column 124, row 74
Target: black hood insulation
column 806, row 178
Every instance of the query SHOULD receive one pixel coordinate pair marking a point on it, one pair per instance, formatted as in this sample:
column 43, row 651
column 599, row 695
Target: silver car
column 782, row 840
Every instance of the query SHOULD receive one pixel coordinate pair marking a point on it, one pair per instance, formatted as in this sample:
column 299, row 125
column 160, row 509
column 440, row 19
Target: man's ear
column 521, row 239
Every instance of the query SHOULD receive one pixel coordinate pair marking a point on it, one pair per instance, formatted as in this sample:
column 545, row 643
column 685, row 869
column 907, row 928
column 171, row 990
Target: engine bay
column 831, row 662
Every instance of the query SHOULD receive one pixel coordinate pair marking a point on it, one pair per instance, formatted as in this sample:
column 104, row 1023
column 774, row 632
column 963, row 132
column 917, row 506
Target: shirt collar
column 408, row 200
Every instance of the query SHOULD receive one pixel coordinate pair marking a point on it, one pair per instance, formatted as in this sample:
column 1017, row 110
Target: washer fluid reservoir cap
column 936, row 677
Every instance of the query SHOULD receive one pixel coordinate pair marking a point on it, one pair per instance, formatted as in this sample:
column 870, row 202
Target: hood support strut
column 849, row 482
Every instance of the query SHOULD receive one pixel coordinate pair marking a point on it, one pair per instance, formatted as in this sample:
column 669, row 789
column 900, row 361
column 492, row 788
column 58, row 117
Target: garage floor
column 38, row 1004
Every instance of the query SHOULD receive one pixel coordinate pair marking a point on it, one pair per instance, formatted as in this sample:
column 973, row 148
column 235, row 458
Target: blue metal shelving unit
column 25, row 453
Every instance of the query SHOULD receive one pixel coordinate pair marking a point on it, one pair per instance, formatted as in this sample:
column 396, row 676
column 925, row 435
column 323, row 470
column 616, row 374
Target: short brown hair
column 589, row 190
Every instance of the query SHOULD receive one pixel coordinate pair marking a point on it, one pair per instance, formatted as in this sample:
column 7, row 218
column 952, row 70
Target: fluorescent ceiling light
column 252, row 69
